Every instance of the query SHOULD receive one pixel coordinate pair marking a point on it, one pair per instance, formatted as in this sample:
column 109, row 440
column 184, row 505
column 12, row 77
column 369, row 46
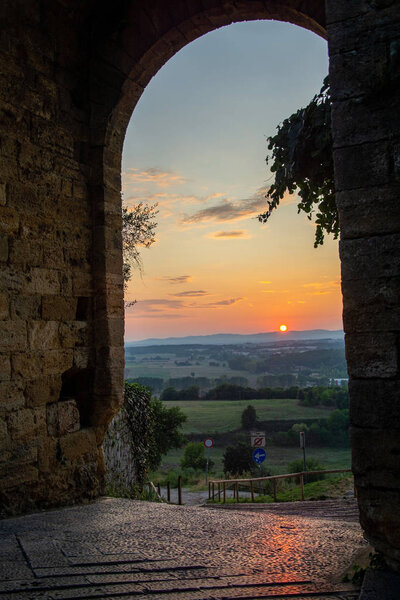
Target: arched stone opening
column 368, row 309
column 72, row 75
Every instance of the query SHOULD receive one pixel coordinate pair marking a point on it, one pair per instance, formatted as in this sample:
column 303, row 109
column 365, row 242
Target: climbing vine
column 302, row 162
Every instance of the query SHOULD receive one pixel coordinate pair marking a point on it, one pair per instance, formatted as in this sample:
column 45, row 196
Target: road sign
column 208, row 442
column 259, row 455
column 257, row 439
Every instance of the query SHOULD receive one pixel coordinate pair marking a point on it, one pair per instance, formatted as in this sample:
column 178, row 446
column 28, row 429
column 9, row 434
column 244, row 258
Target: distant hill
column 236, row 338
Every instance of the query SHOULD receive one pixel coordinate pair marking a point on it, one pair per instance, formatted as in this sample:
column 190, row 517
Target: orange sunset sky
column 196, row 144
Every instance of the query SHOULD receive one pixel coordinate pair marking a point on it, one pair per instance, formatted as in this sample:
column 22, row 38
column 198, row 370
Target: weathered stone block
column 3, row 194
column 43, row 335
column 62, row 418
column 77, row 444
column 4, row 306
column 75, row 333
column 9, row 220
column 371, row 258
column 5, row 367
column 383, row 467
column 42, row 281
column 24, row 252
column 43, row 390
column 352, row 162
column 3, row 248
column 56, row 362
column 26, row 365
column 13, row 335
column 371, row 304
column 26, row 307
column 375, row 403
column 371, row 355
column 369, row 211
column 11, row 396
column 58, row 308
column 21, row 425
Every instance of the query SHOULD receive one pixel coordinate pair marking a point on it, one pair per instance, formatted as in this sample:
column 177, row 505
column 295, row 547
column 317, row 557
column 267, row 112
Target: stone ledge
column 380, row 585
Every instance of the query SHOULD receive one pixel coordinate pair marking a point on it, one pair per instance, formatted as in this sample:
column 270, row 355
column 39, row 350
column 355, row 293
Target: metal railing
column 223, row 484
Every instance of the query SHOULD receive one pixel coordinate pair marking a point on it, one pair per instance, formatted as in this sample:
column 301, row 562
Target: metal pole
column 208, row 456
column 180, row 490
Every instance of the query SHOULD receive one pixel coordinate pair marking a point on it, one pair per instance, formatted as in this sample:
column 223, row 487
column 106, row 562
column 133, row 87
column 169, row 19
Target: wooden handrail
column 285, row 476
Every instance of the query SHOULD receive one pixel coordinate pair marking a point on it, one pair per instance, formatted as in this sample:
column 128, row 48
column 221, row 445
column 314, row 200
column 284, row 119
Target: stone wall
column 364, row 48
column 120, row 457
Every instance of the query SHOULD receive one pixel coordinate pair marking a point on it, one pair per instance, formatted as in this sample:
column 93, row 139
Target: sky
column 196, row 145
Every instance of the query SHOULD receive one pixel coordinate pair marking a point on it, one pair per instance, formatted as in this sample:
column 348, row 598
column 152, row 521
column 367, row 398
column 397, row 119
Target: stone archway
column 72, row 74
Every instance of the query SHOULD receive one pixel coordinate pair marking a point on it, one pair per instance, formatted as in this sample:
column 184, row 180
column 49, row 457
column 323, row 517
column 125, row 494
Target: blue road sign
column 259, row 455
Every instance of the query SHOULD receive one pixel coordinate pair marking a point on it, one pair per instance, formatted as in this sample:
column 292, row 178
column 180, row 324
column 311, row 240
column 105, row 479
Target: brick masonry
column 71, row 74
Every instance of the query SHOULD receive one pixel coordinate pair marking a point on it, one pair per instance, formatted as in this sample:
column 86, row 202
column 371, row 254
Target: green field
column 220, row 416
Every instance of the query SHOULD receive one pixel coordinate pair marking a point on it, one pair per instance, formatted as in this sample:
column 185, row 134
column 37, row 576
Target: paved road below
column 118, row 549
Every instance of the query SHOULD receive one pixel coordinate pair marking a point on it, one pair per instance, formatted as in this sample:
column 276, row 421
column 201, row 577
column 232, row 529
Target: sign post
column 257, row 439
column 208, row 443
column 259, row 455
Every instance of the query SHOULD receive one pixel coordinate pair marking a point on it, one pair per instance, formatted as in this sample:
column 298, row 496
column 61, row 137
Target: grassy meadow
column 221, row 416
column 206, row 418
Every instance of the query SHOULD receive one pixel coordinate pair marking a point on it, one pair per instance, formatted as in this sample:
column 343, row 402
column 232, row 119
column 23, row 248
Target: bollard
column 274, row 488
column 168, row 491
column 302, row 486
column 180, row 490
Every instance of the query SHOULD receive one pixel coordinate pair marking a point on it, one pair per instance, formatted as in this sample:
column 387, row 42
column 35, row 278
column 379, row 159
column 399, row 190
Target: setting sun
column 283, row 328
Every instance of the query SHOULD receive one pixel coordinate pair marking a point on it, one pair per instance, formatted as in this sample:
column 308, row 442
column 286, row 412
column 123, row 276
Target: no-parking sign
column 208, row 442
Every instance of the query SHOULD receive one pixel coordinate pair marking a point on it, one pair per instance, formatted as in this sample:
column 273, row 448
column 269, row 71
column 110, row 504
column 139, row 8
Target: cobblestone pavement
column 118, row 549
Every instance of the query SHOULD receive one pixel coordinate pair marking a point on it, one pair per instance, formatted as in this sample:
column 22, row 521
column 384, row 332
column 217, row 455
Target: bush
column 297, row 466
column 238, row 459
column 194, row 457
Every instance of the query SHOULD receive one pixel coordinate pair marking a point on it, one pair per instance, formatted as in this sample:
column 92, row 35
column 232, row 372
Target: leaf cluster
column 138, row 231
column 302, row 162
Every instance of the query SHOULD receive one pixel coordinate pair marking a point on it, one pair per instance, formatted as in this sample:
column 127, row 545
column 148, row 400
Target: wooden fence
column 221, row 485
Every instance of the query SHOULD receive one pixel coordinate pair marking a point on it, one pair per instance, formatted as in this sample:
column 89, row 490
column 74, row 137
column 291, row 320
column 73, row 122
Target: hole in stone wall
column 82, row 308
column 77, row 384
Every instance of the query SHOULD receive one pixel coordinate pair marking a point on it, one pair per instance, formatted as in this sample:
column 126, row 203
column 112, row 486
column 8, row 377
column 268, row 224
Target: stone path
column 117, row 549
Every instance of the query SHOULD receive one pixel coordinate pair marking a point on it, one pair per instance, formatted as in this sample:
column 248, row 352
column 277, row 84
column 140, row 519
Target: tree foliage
column 138, row 230
column 165, row 431
column 194, row 457
column 249, row 417
column 302, row 162
column 238, row 459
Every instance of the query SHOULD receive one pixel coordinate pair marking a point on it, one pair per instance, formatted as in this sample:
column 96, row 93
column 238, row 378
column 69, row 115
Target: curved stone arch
column 132, row 49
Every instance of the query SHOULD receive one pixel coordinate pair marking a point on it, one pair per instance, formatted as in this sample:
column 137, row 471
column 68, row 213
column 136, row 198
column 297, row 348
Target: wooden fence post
column 302, row 486
column 159, row 489
column 237, row 491
column 180, row 490
column 252, row 490
column 209, row 490
column 274, row 488
column 224, row 492
column 219, row 492
column 213, row 491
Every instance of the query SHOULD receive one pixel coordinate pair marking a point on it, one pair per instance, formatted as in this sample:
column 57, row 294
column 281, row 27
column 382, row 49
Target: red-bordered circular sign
column 209, row 443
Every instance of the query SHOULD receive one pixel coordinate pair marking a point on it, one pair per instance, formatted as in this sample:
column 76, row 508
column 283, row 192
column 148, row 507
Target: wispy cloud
column 179, row 279
column 228, row 210
column 227, row 235
column 191, row 294
column 221, row 303
column 152, row 175
column 321, row 288
column 161, row 306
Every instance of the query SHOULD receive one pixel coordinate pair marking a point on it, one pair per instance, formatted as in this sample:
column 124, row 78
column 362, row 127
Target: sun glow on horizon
column 283, row 328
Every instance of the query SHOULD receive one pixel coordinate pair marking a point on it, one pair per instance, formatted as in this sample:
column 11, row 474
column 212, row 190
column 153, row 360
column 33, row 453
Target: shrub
column 297, row 466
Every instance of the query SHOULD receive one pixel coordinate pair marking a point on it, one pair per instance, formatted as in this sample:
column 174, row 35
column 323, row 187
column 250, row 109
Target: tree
column 238, row 459
column 138, row 228
column 249, row 417
column 194, row 457
column 302, row 161
column 165, row 431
